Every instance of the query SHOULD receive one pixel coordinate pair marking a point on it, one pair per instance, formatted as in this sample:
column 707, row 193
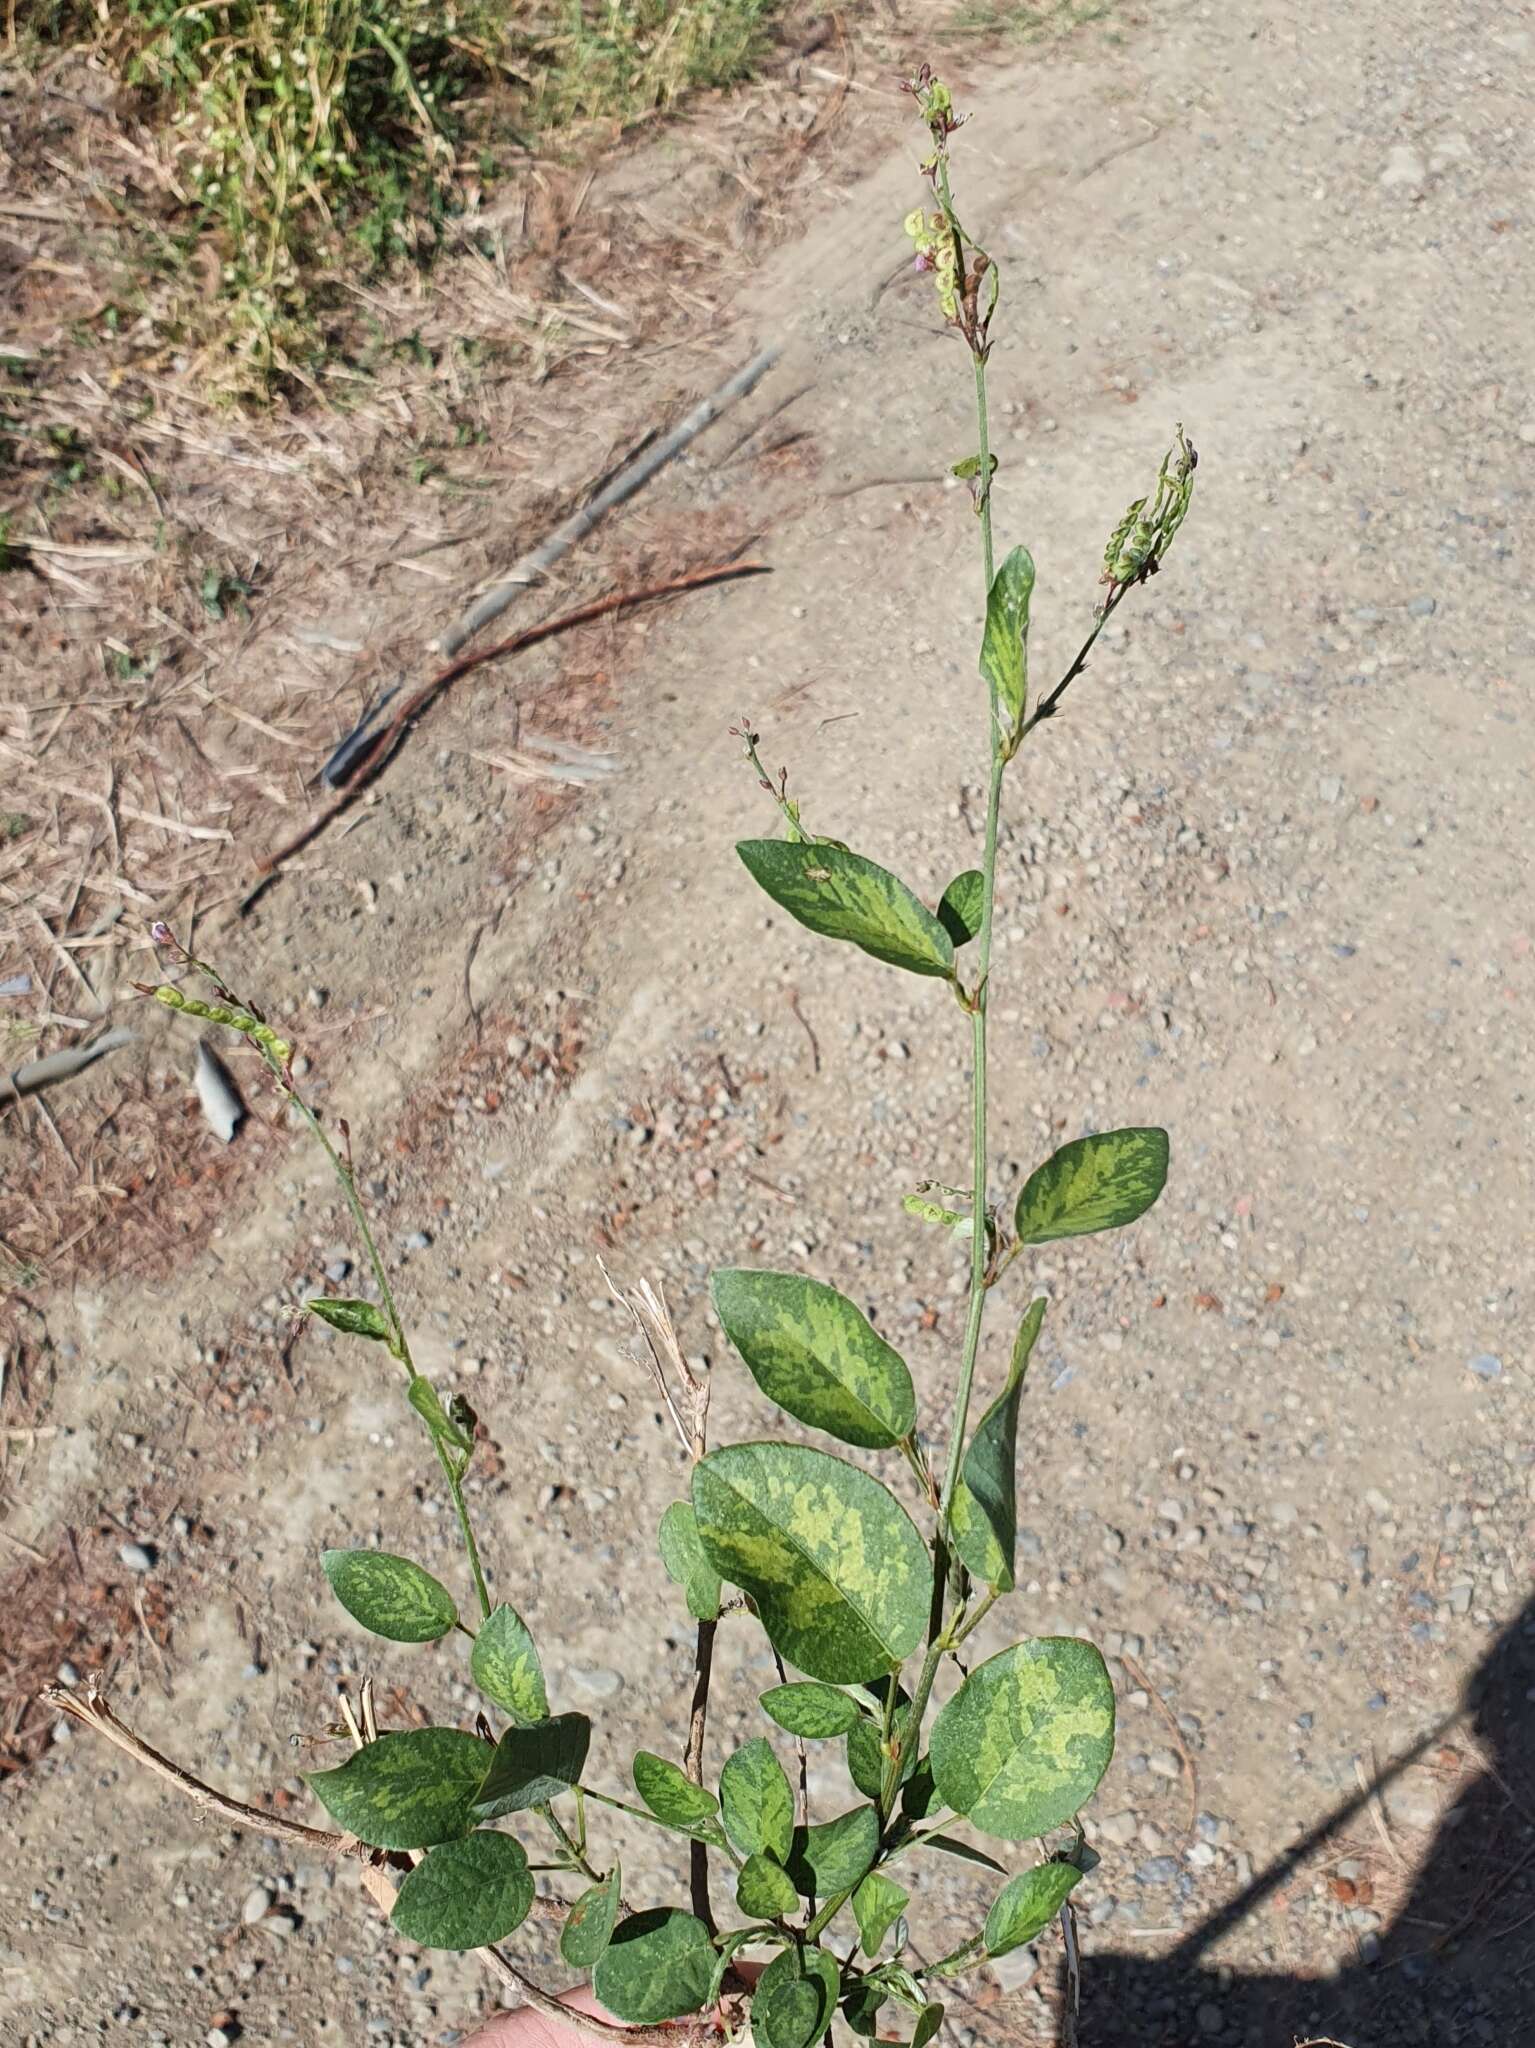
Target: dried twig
column 1191, row 1777
column 381, row 747
column 623, row 486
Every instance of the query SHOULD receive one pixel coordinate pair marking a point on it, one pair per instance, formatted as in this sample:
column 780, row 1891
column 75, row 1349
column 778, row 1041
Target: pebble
column 1329, row 789
column 599, row 1682
column 1157, row 1870
column 1486, row 1365
column 1209, row 2018
column 1119, row 1828
column 138, row 1557
column 418, row 1241
column 1423, row 607
column 257, row 1903
column 1164, row 1764
column 220, row 2037
column 1405, row 170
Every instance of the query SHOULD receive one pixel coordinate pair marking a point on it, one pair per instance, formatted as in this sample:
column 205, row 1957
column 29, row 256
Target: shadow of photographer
column 1455, row 1961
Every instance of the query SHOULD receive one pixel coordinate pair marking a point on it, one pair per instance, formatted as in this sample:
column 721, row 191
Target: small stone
column 280, row 1925
column 1405, row 170
column 1164, row 1764
column 1527, row 433
column 599, row 1682
column 1423, row 607
column 1486, row 1365
column 1369, row 1948
column 1284, row 1514
column 1157, row 1870
column 1016, row 1970
column 220, row 2037
column 1120, row 1829
column 337, row 1270
column 1209, row 2018
column 138, row 1557
column 418, row 1241
column 1200, row 1856
column 257, row 1904
column 1329, row 789
column 1460, row 1597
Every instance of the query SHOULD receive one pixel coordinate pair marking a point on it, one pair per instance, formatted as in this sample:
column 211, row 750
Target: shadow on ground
column 1456, row 1962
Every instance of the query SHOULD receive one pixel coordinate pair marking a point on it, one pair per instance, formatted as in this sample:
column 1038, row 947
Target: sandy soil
column 1265, row 881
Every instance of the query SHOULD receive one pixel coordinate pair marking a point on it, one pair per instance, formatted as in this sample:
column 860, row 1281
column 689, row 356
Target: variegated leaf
column 816, row 1354
column 1025, row 1740
column 843, row 896
column 1095, row 1183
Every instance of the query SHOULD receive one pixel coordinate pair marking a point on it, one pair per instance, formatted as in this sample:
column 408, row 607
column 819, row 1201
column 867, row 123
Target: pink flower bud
column 161, row 933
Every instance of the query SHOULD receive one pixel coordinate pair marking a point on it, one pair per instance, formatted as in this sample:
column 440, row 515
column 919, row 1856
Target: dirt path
column 1266, row 883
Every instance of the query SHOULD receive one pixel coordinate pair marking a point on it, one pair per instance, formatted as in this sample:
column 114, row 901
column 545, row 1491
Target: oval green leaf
column 809, row 1709
column 817, row 1355
column 533, row 1766
column 765, row 1890
column 1005, row 642
column 861, row 2007
column 841, row 1578
column 983, row 1519
column 1096, row 1183
column 795, row 1998
column 505, row 1666
column 685, row 1562
column 409, row 1790
column 670, row 1794
column 1029, row 1902
column 877, row 1904
column 658, row 1966
column 466, row 1894
column 756, row 1802
column 389, row 1595
column 960, row 907
column 841, row 895
column 352, row 1318
column 929, row 2020
column 1025, row 1740
column 589, row 1924
column 831, row 1857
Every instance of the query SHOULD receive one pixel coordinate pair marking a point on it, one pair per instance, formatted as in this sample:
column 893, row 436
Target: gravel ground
column 1264, row 882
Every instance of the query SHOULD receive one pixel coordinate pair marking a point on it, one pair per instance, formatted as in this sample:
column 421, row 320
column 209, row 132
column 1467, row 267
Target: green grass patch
column 306, row 136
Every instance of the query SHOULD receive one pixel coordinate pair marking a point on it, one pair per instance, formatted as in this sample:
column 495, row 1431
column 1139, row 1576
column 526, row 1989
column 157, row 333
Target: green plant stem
column 979, row 1245
column 568, row 1843
column 399, row 1344
column 951, row 1964
column 966, row 1624
column 671, row 1827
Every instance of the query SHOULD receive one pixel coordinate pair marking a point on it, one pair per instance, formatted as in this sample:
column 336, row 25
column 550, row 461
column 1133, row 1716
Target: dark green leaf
column 929, row 2020
column 389, row 1595
column 866, row 1759
column 861, row 2007
column 841, row 1578
column 756, row 1803
column 505, row 1666
column 951, row 1845
column 919, row 1797
column 658, row 1966
column 984, row 1517
column 877, row 1904
column 1025, row 1740
column 533, row 1766
column 816, row 1354
column 843, row 896
column 795, row 1998
column 1005, row 643
column 1027, row 1903
column 353, row 1318
column 959, row 909
column 406, row 1791
column 764, row 1890
column 1095, row 1183
column 589, row 1925
column 831, row 1858
column 809, row 1709
column 466, row 1894
column 671, row 1795
column 686, row 1565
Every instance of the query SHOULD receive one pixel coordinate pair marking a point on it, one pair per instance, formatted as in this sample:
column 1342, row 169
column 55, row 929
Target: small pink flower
column 161, row 933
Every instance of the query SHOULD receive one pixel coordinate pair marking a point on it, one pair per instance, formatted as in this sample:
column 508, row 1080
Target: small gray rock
column 1405, row 170
column 258, row 1903
column 138, row 1557
column 1164, row 1763
column 1157, row 1870
column 599, row 1682
column 1486, row 1365
column 1119, row 1829
column 1423, row 607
